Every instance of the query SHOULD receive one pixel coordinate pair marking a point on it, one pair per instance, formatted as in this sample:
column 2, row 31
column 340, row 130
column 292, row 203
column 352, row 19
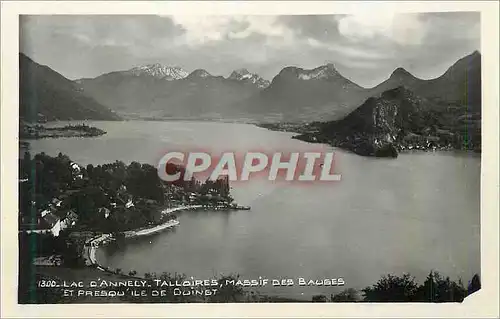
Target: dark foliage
column 403, row 288
column 392, row 288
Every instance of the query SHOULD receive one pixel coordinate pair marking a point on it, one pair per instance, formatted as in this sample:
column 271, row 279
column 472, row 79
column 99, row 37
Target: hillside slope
column 459, row 85
column 46, row 95
column 398, row 120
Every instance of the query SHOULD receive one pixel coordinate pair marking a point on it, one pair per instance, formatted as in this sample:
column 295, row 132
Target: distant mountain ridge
column 460, row 84
column 159, row 71
column 198, row 94
column 45, row 94
column 294, row 94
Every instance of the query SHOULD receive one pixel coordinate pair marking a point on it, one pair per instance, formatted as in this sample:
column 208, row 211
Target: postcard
column 250, row 158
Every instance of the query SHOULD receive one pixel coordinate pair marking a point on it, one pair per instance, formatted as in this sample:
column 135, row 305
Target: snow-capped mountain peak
column 160, row 71
column 246, row 76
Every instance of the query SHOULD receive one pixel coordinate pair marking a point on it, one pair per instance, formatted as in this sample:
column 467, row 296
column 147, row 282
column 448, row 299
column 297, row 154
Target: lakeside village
column 67, row 210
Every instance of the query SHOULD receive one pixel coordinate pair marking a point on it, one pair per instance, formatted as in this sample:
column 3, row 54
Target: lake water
column 416, row 213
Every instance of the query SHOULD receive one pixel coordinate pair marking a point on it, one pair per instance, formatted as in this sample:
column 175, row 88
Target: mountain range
column 198, row 94
column 294, row 94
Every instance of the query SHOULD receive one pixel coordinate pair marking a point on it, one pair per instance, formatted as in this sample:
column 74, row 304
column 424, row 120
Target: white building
column 75, row 167
column 129, row 204
column 45, row 212
column 48, row 224
column 77, row 172
column 54, row 224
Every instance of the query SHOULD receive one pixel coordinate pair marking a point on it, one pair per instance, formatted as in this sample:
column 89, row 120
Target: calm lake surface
column 416, row 213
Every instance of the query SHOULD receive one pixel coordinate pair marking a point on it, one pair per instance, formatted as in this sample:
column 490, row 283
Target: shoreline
column 91, row 245
column 308, row 133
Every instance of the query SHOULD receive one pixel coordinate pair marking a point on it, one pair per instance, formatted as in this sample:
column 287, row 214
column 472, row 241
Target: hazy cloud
column 364, row 47
column 405, row 29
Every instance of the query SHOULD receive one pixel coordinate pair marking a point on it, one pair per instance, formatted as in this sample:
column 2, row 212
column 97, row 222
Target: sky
column 365, row 47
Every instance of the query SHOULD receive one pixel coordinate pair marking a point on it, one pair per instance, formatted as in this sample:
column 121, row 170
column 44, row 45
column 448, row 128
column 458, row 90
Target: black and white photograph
column 305, row 158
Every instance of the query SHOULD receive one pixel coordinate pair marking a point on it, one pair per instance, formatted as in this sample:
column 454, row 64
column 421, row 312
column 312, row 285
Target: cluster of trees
column 47, row 178
column 219, row 186
column 108, row 186
column 404, row 288
column 103, row 186
column 140, row 180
